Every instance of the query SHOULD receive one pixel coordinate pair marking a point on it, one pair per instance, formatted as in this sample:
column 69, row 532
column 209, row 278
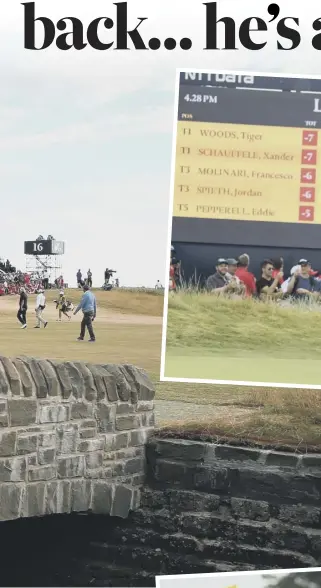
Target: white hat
column 295, row 269
column 61, row 292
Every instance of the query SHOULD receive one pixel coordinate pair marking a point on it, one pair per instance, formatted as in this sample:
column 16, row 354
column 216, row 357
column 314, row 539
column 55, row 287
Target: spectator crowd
column 233, row 278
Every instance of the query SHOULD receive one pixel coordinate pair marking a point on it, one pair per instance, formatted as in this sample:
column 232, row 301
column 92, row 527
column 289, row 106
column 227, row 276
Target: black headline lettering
column 121, row 32
column 246, row 32
column 77, row 36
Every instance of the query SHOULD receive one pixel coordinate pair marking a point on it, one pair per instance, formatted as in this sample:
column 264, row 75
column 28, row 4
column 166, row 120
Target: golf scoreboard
column 248, row 154
column 44, row 247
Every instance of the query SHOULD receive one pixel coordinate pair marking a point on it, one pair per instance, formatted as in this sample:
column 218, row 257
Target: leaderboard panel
column 248, row 155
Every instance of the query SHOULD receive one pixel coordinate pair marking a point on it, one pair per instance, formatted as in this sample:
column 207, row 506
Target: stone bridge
column 72, row 437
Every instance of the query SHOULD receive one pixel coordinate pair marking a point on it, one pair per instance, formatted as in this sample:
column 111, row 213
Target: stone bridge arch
column 72, row 437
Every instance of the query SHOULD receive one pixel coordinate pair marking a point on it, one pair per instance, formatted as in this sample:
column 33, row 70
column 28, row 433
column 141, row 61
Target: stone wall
column 75, row 438
column 211, row 508
column 72, row 437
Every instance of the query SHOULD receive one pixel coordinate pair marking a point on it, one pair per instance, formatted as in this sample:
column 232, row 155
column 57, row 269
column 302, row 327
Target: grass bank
column 216, row 324
column 286, row 419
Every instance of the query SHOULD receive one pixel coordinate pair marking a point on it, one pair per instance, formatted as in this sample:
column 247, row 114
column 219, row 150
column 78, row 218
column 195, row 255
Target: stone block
column 250, row 509
column 46, row 456
column 81, row 410
column 63, row 377
column 10, row 498
column 13, row 469
column 124, row 408
column 53, row 413
column 180, row 449
column 81, row 493
column 4, row 384
column 121, row 441
column 43, row 473
column 145, row 405
column 136, row 480
column 111, row 388
column 22, row 412
column 105, row 416
column 117, row 469
column 76, row 380
column 67, row 438
column 102, row 497
column 298, row 514
column 139, row 437
column 147, row 419
column 47, row 439
column 27, row 444
column 124, row 423
column 50, row 377
column 142, row 383
column 98, row 376
column 87, row 434
column 311, row 461
column 134, row 466
column 276, row 486
column 34, row 500
column 281, row 459
column 184, row 500
column 94, row 461
column 3, row 407
column 91, row 445
column 118, row 382
column 4, row 421
column 261, row 558
column 89, row 385
column 8, row 443
column 229, row 453
column 58, row 497
column 71, row 467
column 136, row 499
column 37, row 376
column 88, row 424
column 27, row 381
column 12, row 376
column 122, row 501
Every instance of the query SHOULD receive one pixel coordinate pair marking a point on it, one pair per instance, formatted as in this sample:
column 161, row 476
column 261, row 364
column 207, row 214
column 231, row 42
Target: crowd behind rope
column 12, row 281
column 233, row 278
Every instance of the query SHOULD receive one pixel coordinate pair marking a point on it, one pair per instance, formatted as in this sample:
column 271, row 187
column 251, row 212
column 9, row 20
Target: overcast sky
column 86, row 137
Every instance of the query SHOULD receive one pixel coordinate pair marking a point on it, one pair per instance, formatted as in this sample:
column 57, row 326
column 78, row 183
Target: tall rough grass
column 199, row 319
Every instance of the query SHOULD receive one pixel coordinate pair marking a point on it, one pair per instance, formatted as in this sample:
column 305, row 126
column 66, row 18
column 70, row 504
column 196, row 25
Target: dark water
column 63, row 550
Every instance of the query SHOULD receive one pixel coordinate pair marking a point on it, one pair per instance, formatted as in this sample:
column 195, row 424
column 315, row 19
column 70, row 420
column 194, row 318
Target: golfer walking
column 88, row 307
column 23, row 307
column 40, row 307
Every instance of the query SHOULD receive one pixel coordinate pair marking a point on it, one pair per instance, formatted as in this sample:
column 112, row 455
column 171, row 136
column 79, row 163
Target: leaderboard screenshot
column 248, row 155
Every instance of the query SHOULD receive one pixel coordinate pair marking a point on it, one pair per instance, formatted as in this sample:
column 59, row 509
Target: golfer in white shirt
column 40, row 307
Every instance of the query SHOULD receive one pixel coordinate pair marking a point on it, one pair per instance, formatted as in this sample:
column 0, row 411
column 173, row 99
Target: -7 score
column 203, row 98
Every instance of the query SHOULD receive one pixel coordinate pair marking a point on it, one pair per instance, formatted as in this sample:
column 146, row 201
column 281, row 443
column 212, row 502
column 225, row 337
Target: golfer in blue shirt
column 88, row 307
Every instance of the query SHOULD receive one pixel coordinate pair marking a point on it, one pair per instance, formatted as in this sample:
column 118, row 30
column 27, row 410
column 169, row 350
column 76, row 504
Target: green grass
column 202, row 320
column 242, row 340
column 123, row 301
column 255, row 368
column 266, row 416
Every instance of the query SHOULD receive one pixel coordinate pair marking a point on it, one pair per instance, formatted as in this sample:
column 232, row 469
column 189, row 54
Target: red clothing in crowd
column 275, row 273
column 172, row 284
column 248, row 280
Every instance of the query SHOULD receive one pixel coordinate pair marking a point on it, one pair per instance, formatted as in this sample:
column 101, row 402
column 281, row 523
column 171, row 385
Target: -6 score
column 203, row 98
